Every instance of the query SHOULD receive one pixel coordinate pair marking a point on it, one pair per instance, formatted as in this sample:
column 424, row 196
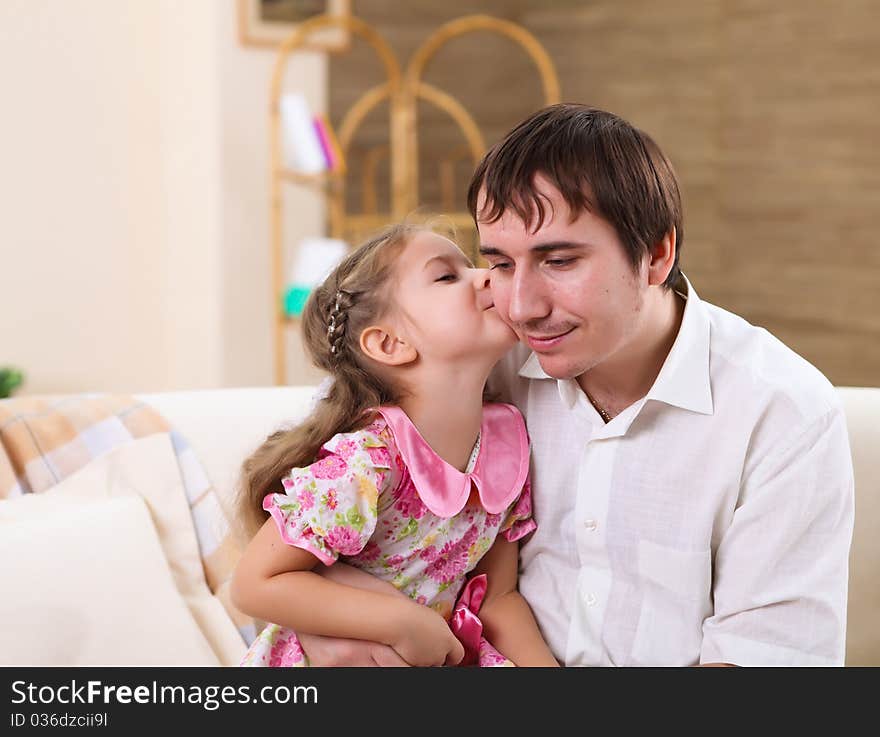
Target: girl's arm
column 508, row 622
column 274, row 582
column 337, row 651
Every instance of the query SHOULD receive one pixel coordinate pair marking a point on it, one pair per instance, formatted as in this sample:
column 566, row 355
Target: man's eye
column 500, row 265
column 559, row 261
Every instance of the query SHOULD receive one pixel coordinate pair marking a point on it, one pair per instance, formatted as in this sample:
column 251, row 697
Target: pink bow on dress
column 465, row 624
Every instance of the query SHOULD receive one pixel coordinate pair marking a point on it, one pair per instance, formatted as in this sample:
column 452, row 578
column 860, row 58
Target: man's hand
column 335, row 652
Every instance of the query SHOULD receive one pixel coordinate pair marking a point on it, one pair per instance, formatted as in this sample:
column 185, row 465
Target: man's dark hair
column 598, row 162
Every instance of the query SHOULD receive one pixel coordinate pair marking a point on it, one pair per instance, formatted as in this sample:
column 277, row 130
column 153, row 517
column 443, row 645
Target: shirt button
column 591, row 524
column 590, row 600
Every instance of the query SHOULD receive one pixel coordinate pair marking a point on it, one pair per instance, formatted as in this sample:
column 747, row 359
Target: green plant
column 10, row 379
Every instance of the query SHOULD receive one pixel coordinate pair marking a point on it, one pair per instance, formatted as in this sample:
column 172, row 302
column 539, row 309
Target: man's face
column 568, row 289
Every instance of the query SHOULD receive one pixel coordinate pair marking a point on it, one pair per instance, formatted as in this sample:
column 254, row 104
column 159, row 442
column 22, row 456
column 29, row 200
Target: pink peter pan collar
column 499, row 472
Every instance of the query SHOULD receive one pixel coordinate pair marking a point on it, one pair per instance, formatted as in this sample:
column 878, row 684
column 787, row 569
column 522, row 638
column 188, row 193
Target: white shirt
column 708, row 522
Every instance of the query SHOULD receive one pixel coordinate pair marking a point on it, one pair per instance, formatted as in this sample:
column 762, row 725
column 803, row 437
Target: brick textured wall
column 768, row 111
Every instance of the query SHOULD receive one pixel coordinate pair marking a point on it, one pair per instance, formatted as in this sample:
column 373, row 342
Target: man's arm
column 781, row 567
column 342, row 652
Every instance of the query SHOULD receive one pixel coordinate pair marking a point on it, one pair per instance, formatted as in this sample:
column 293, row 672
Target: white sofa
column 223, row 426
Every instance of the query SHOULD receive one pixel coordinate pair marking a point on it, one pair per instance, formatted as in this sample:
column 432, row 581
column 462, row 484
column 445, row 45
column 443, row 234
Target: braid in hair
column 337, row 320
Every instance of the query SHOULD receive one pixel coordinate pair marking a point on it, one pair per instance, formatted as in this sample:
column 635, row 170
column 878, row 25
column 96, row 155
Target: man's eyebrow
column 541, row 248
column 487, row 250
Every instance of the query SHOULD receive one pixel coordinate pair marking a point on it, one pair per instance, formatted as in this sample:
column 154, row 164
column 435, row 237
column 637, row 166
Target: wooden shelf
column 402, row 90
column 323, row 178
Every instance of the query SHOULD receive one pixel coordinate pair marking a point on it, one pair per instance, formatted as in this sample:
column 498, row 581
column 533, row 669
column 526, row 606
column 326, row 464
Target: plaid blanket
column 45, row 439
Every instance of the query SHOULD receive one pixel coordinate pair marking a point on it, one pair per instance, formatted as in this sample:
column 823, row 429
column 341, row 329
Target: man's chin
column 559, row 369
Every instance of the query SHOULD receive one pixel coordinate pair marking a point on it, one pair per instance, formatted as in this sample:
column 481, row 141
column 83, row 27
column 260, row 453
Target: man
column 692, row 478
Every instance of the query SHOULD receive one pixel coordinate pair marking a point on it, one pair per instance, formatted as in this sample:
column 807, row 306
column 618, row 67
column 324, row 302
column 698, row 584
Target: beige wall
column 80, row 195
column 247, row 302
column 133, row 195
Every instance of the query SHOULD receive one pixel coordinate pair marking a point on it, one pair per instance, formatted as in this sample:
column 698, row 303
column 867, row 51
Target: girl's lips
column 537, row 343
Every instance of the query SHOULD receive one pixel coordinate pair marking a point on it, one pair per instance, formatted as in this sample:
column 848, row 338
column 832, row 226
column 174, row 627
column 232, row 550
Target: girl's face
column 445, row 304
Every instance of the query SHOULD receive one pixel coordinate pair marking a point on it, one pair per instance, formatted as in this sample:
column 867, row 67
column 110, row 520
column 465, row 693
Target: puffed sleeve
column 329, row 508
column 519, row 521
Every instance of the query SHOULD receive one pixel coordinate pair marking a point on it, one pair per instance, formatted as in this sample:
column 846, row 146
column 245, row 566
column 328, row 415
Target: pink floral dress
column 382, row 500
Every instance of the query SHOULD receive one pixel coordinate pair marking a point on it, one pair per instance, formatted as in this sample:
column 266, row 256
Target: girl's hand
column 423, row 638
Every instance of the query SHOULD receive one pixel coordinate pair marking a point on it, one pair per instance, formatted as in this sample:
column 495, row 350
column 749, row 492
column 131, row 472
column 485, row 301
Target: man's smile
column 543, row 342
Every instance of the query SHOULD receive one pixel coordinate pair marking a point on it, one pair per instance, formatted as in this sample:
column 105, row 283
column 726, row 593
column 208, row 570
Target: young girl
column 401, row 471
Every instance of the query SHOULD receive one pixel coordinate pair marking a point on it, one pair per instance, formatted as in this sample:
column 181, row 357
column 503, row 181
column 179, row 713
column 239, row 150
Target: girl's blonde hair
column 354, row 295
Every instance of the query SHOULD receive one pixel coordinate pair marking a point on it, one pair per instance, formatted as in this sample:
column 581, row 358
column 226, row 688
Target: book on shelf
column 302, row 148
column 329, row 144
column 310, row 144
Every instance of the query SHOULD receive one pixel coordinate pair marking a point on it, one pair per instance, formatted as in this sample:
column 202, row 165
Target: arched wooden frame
column 403, row 91
column 413, row 85
column 279, row 173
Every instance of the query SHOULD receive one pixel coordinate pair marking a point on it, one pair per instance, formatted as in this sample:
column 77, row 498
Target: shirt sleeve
column 781, row 568
column 330, row 507
column 519, row 521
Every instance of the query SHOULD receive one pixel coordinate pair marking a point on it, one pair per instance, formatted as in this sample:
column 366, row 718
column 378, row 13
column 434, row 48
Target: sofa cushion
column 44, row 439
column 107, row 570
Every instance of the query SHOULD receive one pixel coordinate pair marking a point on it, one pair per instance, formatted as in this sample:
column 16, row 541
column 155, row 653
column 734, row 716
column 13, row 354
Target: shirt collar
column 499, row 472
column 683, row 380
column 531, row 369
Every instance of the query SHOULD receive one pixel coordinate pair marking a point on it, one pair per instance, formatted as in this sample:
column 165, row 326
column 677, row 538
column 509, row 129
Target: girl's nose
column 481, row 278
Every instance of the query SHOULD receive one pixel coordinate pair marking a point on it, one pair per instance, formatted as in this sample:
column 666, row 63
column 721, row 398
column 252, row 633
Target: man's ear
column 661, row 257
column 385, row 347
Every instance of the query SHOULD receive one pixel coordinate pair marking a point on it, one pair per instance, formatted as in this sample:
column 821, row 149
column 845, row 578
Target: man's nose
column 527, row 300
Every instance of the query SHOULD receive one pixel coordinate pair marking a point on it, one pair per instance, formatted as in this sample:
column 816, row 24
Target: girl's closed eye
column 447, row 277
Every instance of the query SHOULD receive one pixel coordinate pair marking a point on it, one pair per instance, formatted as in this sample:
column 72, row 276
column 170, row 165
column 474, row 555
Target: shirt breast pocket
column 676, row 587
